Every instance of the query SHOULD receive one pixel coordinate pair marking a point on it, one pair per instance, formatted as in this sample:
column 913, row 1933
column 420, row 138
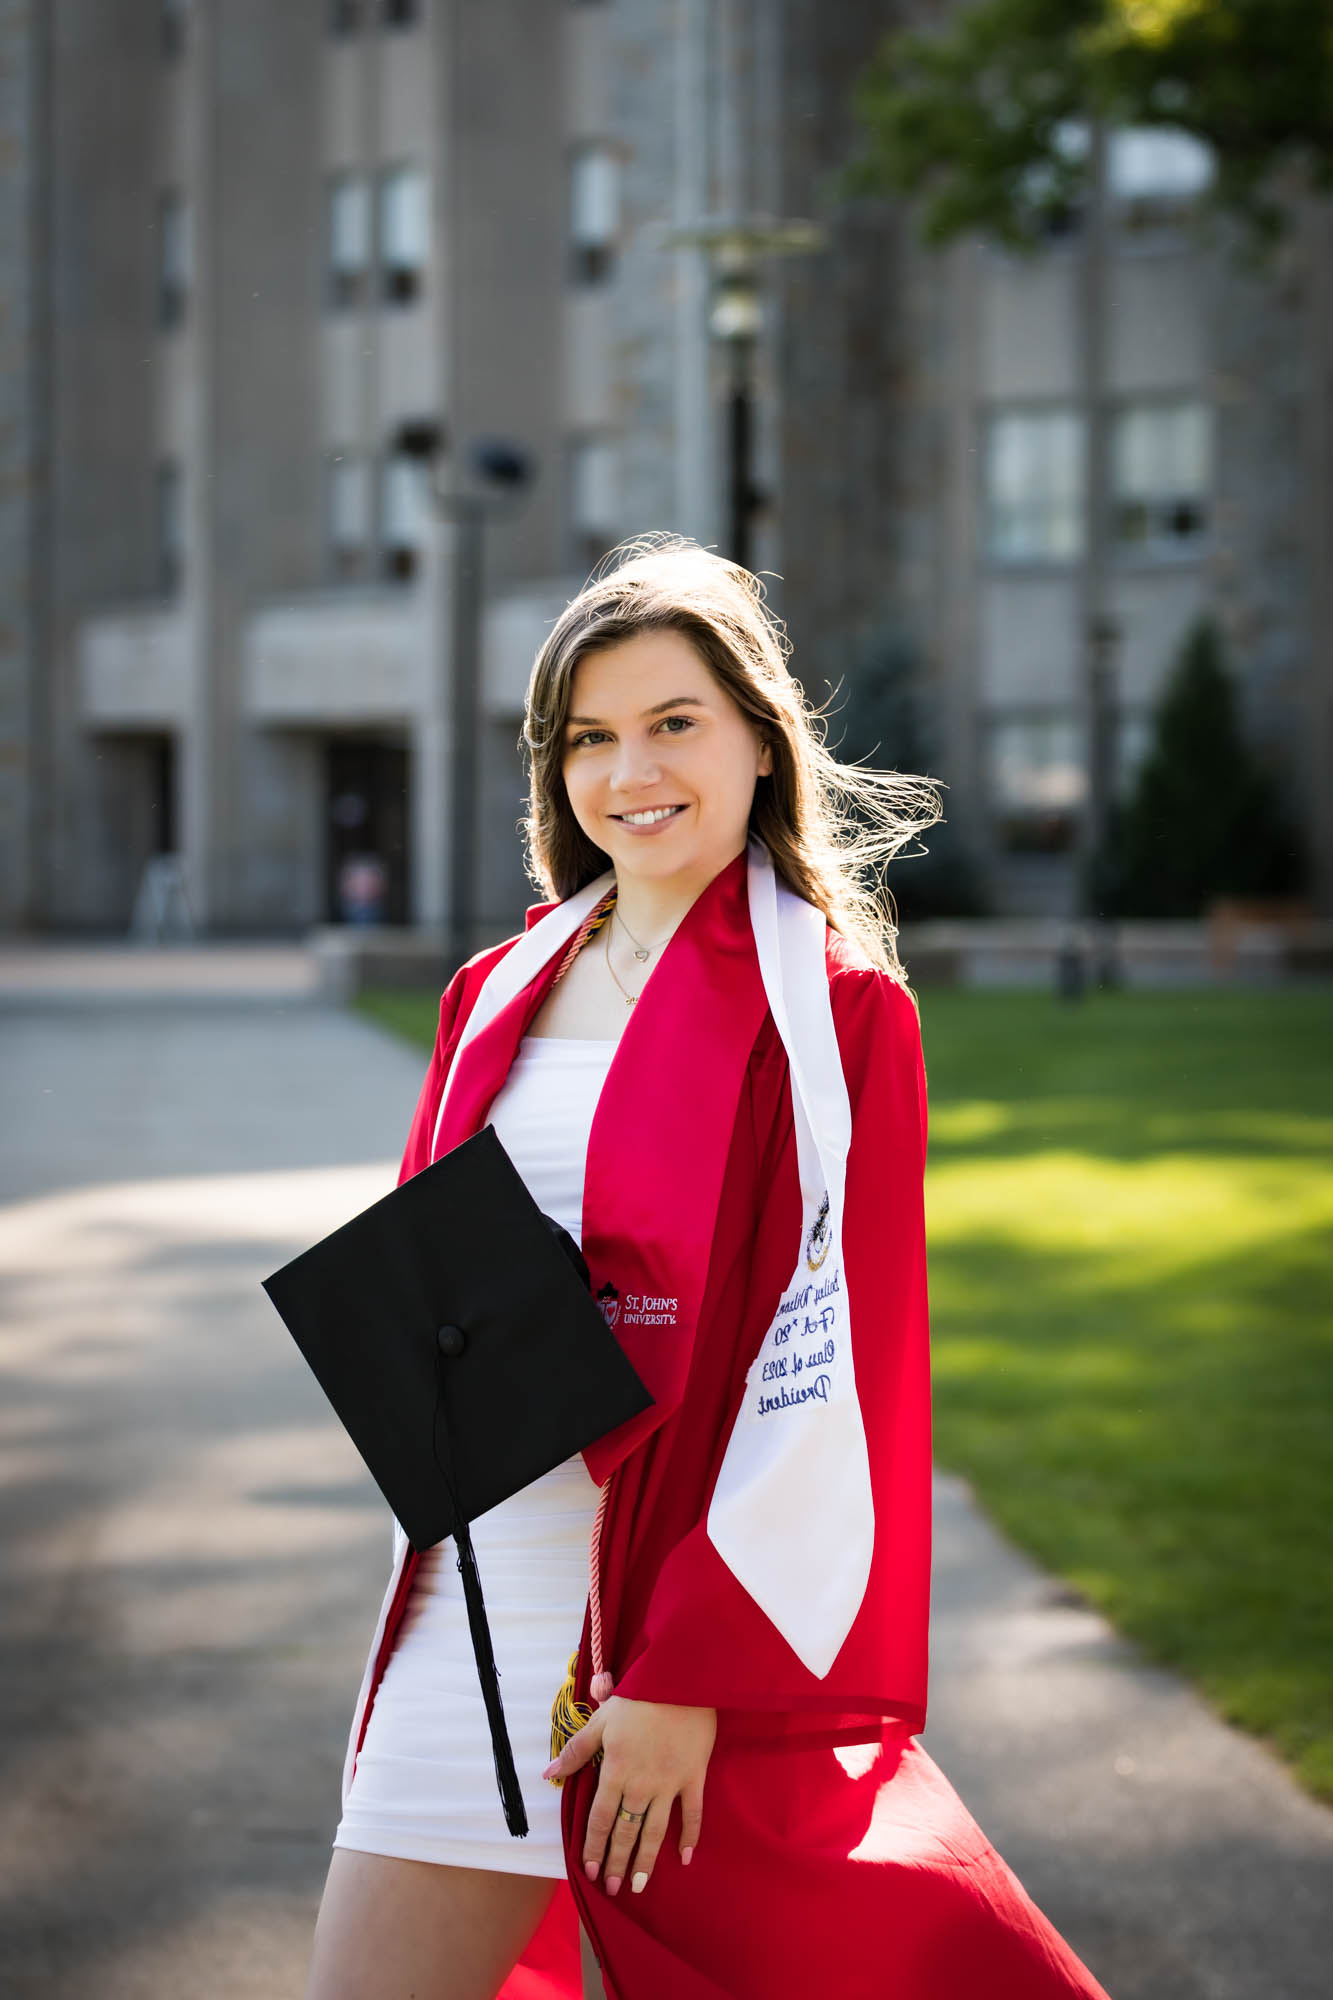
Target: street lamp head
column 734, row 246
column 423, row 438
column 737, row 312
column 498, row 462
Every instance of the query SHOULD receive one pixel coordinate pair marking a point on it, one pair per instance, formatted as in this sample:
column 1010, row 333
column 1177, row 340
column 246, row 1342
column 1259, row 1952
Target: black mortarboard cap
column 451, row 1327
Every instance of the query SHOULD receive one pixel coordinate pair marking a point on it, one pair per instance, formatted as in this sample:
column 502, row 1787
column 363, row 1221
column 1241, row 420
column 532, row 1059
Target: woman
column 705, row 1063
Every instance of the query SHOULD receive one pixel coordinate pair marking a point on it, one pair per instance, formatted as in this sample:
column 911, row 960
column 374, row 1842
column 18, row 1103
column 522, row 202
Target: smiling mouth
column 651, row 816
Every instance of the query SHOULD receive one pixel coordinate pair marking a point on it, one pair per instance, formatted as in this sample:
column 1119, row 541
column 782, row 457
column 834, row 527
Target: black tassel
column 516, row 1818
column 506, row 1776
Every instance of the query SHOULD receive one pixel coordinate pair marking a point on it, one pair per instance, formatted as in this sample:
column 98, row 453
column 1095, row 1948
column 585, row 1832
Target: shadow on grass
column 1130, row 1213
column 1167, row 1445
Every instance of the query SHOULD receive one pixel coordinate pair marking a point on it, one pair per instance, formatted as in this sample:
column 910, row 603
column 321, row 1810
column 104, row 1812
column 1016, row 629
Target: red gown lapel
column 659, row 1147
column 659, row 1140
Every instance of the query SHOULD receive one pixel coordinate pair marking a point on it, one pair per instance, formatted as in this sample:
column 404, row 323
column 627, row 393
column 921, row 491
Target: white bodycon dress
column 424, row 1787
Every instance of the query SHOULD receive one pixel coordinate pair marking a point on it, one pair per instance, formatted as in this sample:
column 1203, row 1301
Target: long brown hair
column 831, row 828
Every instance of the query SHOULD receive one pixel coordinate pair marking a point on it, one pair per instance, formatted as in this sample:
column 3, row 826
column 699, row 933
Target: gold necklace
column 643, row 952
column 630, row 998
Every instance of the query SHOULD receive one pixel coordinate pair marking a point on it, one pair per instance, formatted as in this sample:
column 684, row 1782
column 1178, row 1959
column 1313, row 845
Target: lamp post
column 1100, row 632
column 495, row 472
column 1090, row 931
column 735, row 322
column 1103, row 638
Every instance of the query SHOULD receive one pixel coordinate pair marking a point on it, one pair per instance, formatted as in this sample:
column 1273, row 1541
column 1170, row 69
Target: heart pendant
column 641, row 956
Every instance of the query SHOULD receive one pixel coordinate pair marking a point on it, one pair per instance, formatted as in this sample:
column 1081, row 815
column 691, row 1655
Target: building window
column 348, row 225
column 404, row 234
column 349, row 17
column 349, row 517
column 1156, row 173
column 169, row 527
column 173, row 28
column 592, row 499
column 402, row 517
column 1161, row 473
column 175, row 260
column 1034, row 486
column 594, row 212
column 1036, row 783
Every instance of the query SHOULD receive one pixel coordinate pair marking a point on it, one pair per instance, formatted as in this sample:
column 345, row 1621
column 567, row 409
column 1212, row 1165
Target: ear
column 765, row 758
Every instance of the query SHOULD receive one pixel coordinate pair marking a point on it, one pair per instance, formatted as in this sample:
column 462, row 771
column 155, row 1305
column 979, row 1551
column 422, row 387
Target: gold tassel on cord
column 568, row 1717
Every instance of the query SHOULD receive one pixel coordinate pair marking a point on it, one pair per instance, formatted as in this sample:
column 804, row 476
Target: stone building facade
column 247, row 244
column 947, row 517
column 21, row 403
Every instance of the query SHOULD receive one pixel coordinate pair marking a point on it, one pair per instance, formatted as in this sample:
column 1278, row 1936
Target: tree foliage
column 986, row 119
column 1204, row 818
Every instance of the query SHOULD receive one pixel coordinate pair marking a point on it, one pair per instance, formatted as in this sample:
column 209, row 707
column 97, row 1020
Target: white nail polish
column 639, row 1883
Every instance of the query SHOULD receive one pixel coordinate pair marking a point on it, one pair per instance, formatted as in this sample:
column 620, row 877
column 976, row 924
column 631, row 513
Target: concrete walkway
column 46, row 973
column 1176, row 1855
column 191, row 1559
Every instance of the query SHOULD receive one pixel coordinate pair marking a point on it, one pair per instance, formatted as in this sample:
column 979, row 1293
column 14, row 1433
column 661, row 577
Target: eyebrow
column 658, row 708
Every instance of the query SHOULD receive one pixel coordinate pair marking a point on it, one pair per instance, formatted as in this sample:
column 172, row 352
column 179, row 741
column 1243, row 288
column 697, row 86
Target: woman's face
column 659, row 762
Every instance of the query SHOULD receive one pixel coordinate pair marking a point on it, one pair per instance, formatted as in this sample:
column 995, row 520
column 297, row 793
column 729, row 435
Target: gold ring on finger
column 625, row 1813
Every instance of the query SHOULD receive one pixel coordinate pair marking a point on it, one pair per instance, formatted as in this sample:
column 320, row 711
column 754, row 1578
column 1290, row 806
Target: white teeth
column 648, row 818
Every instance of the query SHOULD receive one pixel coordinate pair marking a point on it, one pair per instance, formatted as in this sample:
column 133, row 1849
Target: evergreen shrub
column 1204, row 818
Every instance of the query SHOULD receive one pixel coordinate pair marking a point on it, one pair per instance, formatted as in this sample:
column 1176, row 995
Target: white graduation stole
column 792, row 1514
column 518, row 968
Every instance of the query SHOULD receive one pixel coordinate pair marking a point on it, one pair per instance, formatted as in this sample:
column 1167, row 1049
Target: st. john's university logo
column 819, row 1239
column 608, row 1299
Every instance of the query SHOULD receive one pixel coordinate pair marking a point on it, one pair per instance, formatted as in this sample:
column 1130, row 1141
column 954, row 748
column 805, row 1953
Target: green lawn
column 414, row 1016
column 1130, row 1210
column 1131, row 1230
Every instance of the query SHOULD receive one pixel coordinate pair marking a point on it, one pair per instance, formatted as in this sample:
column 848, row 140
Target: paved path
column 191, row 1555
column 41, row 973
column 190, row 1560
column 1175, row 1854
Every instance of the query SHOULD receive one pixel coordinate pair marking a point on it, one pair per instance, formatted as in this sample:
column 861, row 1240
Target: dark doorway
column 162, row 794
column 367, row 812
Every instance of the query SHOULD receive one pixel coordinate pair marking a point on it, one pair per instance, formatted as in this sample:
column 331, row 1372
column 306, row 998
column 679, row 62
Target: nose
column 635, row 768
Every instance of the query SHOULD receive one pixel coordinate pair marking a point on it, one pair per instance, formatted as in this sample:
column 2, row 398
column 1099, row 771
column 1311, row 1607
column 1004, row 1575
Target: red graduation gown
column 834, row 1856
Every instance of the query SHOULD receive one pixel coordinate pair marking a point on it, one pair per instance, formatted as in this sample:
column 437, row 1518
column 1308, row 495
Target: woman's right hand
column 653, row 1753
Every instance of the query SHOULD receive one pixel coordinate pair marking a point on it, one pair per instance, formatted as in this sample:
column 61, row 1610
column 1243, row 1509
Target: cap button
column 451, row 1341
